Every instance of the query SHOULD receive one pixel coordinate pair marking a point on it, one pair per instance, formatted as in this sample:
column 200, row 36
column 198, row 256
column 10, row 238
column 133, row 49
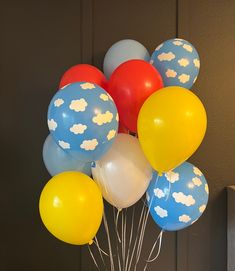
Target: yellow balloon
column 171, row 126
column 71, row 207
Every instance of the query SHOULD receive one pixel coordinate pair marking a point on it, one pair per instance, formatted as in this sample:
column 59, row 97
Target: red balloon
column 130, row 85
column 83, row 73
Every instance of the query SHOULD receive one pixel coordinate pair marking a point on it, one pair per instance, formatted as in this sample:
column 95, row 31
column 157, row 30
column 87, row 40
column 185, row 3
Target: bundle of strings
column 125, row 242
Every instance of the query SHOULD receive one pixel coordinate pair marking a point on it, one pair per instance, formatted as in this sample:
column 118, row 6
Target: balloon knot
column 159, row 174
column 91, row 242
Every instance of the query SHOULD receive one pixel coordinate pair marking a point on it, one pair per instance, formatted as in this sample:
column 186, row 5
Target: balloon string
column 143, row 229
column 169, row 191
column 116, row 225
column 124, row 239
column 99, row 248
column 130, row 240
column 117, row 241
column 109, row 241
column 92, row 256
column 137, row 234
column 159, row 239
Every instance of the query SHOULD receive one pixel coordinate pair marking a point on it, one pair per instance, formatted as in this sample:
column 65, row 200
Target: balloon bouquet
column 162, row 123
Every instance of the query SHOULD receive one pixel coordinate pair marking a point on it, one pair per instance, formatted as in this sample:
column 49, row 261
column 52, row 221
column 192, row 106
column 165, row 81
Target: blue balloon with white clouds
column 178, row 63
column 177, row 198
column 83, row 120
column 57, row 160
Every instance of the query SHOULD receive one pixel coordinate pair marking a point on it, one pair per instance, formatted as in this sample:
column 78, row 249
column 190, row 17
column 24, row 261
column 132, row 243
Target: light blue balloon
column 178, row 198
column 178, row 63
column 57, row 160
column 122, row 51
column 83, row 120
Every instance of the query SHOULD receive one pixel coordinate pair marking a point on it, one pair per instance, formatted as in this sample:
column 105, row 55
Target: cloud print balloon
column 178, row 198
column 177, row 61
column 83, row 119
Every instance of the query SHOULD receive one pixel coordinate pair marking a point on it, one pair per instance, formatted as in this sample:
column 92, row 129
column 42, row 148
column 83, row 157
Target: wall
column 39, row 41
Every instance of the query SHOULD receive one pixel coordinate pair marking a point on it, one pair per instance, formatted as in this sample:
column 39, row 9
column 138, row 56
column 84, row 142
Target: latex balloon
column 123, row 173
column 130, row 85
column 178, row 198
column 71, row 207
column 83, row 120
column 57, row 160
column 177, row 61
column 83, row 73
column 171, row 126
column 122, row 51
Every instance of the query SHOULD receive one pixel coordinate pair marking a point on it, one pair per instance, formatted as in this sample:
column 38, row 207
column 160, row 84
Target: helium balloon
column 123, row 173
column 171, row 126
column 178, row 198
column 83, row 119
column 71, row 207
column 130, row 85
column 83, row 73
column 122, row 51
column 177, row 61
column 57, row 160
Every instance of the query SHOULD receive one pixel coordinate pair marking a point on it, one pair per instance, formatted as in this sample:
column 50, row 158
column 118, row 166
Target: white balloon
column 123, row 173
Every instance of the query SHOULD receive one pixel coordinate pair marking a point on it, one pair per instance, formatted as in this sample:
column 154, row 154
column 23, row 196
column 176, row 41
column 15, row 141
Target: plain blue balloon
column 57, row 160
column 122, row 51
column 178, row 63
column 83, row 120
column 178, row 198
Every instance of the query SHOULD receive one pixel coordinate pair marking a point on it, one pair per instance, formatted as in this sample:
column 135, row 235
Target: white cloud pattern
column 151, row 61
column 78, row 105
column 111, row 134
column 184, row 78
column 197, row 171
column 183, row 199
column 184, row 218
column 172, row 176
column 196, row 63
column 117, row 117
column 87, row 86
column 166, row 56
column 183, row 62
column 207, row 188
column 52, row 125
column 202, row 208
column 104, row 118
column 188, row 48
column 194, row 80
column 159, row 193
column 161, row 212
column 78, row 128
column 89, row 145
column 177, row 43
column 64, row 145
column 171, row 73
column 58, row 102
column 104, row 97
column 197, row 181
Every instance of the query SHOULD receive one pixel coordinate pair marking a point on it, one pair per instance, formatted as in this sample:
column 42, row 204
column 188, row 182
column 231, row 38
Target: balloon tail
column 159, row 241
column 92, row 256
column 109, row 242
